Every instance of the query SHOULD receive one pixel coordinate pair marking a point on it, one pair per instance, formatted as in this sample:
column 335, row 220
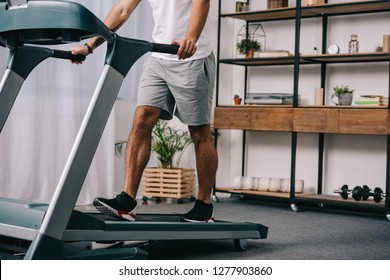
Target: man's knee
column 146, row 117
column 200, row 134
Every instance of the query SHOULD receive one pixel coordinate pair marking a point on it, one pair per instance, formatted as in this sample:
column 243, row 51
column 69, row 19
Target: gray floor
column 310, row 234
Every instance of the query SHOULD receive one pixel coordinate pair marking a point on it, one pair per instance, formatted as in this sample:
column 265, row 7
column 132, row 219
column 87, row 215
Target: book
column 274, row 53
column 372, row 100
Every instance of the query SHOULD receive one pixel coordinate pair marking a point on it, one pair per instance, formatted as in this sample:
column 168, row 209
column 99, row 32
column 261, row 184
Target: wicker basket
column 272, row 4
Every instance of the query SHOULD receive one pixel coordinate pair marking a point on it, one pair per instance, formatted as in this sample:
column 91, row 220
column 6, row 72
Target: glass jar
column 353, row 44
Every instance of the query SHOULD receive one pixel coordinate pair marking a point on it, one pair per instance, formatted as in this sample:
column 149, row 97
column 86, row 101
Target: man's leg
column 206, row 160
column 139, row 147
column 137, row 156
column 206, row 165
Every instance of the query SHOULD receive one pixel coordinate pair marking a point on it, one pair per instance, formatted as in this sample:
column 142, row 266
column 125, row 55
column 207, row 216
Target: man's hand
column 187, row 48
column 83, row 50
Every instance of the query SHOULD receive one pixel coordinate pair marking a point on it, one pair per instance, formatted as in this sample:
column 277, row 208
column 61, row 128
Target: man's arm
column 196, row 23
column 117, row 16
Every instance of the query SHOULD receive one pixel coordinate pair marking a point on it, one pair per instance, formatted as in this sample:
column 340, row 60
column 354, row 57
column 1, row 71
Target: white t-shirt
column 171, row 23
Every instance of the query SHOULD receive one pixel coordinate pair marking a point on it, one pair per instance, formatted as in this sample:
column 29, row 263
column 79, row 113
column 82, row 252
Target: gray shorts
column 181, row 88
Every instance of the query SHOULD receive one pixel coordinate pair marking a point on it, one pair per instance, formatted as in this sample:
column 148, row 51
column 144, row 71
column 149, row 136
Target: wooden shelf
column 311, row 59
column 353, row 7
column 287, row 60
column 356, row 7
column 253, row 118
column 336, row 200
column 346, row 58
column 258, row 193
column 264, row 15
column 313, row 119
column 311, row 198
column 332, row 119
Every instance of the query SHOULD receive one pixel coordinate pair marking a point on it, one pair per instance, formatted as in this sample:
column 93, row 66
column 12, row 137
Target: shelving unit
column 307, row 119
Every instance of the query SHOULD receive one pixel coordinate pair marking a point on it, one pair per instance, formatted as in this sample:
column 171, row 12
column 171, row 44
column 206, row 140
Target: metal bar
column 387, row 189
column 294, row 135
column 297, row 53
column 321, row 136
column 218, row 54
column 22, row 60
column 217, row 83
column 82, row 153
column 243, row 159
column 18, row 232
column 9, row 89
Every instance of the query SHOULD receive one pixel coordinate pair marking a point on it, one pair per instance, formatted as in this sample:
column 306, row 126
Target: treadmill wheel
column 240, row 244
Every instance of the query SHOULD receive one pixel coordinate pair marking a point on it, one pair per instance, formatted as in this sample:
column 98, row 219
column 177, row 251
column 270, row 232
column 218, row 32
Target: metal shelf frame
column 297, row 14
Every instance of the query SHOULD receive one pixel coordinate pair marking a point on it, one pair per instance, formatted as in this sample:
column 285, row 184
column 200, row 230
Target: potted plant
column 237, row 99
column 167, row 143
column 344, row 95
column 248, row 47
column 167, row 180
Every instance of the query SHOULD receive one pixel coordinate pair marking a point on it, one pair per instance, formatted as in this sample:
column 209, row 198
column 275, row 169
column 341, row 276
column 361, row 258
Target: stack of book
column 372, row 100
column 270, row 98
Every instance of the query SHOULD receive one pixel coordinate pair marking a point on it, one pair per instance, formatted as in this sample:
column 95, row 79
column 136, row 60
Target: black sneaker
column 202, row 212
column 122, row 206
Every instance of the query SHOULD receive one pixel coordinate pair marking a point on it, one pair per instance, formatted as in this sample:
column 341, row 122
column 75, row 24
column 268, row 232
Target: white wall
column 349, row 159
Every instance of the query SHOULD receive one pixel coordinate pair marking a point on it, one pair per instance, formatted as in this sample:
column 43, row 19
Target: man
column 180, row 85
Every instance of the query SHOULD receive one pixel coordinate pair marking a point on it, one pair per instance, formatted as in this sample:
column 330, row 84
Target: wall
column 349, row 159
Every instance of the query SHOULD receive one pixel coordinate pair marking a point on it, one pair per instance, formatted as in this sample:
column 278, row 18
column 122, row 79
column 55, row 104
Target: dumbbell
column 359, row 193
column 378, row 195
column 343, row 191
column 365, row 192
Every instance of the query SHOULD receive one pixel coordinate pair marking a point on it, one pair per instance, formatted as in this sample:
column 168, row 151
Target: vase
column 250, row 54
column 237, row 101
column 344, row 99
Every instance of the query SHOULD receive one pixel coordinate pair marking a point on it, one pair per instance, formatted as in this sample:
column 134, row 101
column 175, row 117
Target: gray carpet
column 310, row 234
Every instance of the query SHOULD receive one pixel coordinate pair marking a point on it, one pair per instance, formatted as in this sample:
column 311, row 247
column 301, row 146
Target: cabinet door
column 323, row 120
column 253, row 118
column 364, row 121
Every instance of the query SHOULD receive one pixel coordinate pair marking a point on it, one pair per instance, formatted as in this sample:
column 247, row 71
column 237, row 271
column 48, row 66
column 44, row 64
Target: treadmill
column 55, row 230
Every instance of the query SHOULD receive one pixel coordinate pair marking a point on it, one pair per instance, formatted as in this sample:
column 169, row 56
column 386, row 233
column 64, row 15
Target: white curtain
column 40, row 131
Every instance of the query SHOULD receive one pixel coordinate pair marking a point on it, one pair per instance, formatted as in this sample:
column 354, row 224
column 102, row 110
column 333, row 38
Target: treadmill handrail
column 165, row 48
column 68, row 55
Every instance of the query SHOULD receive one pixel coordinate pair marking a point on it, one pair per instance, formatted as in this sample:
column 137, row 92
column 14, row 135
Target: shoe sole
column 209, row 220
column 108, row 210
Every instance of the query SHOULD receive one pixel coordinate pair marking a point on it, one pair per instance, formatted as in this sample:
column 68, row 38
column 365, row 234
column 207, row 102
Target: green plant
column 340, row 90
column 168, row 143
column 236, row 96
column 245, row 45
